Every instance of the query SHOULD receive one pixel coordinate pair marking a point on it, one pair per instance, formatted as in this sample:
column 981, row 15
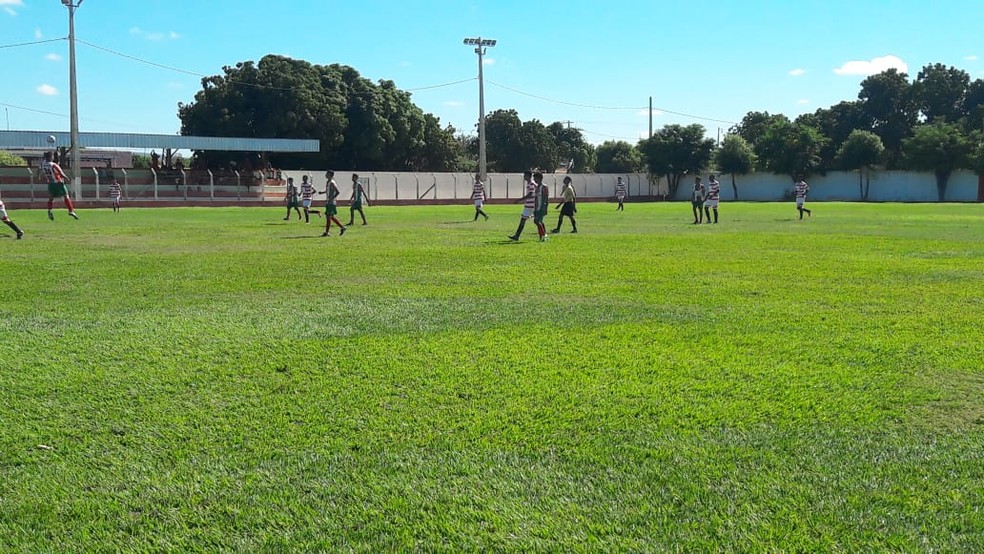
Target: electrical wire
column 31, row 43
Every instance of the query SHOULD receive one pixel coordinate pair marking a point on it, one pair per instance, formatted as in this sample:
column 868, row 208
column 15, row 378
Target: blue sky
column 717, row 59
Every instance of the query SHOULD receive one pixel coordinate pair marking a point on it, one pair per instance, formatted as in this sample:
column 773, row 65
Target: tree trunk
column 861, row 183
column 734, row 186
column 941, row 181
column 867, row 182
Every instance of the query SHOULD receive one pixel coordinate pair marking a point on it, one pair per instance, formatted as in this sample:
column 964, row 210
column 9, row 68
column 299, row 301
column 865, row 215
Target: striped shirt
column 478, row 191
column 530, row 195
column 52, row 172
column 714, row 191
column 801, row 188
column 307, row 191
column 620, row 190
column 115, row 191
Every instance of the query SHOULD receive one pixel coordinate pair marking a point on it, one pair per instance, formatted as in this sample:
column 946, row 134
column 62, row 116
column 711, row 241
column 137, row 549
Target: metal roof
column 39, row 139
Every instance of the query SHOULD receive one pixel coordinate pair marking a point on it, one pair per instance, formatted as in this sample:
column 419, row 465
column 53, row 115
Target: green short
column 292, row 204
column 539, row 215
column 356, row 206
column 331, row 209
column 56, row 190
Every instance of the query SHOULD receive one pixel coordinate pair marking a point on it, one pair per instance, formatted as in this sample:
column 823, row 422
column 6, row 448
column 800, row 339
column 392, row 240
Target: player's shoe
column 555, row 231
column 342, row 232
column 73, row 215
column 486, row 217
column 574, row 231
column 51, row 216
column 325, row 235
column 20, row 235
column 513, row 237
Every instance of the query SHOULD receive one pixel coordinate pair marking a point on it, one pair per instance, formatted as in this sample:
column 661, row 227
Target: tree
column 503, row 141
column 572, row 146
column 439, row 150
column 940, row 148
column 618, row 157
column 537, row 148
column 754, row 124
column 887, row 103
column 973, row 106
column 939, row 92
column 10, row 160
column 676, row 150
column 860, row 151
column 360, row 124
column 791, row 148
column 735, row 157
column 836, row 123
column 977, row 157
column 141, row 161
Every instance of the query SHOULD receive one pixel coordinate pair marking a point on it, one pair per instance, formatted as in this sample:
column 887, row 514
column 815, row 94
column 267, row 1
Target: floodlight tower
column 480, row 44
column 73, row 99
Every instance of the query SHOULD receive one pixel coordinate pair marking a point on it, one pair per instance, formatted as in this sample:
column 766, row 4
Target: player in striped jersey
column 697, row 201
column 713, row 197
column 478, row 195
column 800, row 188
column 116, row 193
column 620, row 194
column 331, row 205
column 307, row 192
column 529, row 204
column 56, row 185
column 358, row 197
column 291, row 198
column 6, row 220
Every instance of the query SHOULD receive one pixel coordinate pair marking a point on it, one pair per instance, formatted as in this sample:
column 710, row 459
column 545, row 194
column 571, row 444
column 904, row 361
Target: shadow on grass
column 305, row 237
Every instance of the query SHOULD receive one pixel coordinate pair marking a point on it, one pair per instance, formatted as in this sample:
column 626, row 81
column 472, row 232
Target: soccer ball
column 51, row 139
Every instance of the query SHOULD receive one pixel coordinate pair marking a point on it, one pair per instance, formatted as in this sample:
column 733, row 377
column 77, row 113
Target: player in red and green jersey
column 331, row 205
column 291, row 199
column 56, row 185
column 542, row 204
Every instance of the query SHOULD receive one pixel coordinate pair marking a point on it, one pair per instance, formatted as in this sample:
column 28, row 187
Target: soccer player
column 541, row 206
column 529, row 204
column 620, row 195
column 116, row 193
column 331, row 205
column 801, row 188
column 478, row 195
column 697, row 201
column 568, row 206
column 56, row 185
column 358, row 196
column 713, row 197
column 6, row 220
column 307, row 192
column 291, row 199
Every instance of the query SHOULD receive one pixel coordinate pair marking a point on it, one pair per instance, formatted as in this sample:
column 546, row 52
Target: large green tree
column 791, row 148
column 939, row 92
column 676, row 150
column 940, row 148
column 973, row 107
column 571, row 145
column 887, row 102
column 360, row 124
column 735, row 157
column 752, row 127
column 860, row 151
column 503, row 141
column 618, row 157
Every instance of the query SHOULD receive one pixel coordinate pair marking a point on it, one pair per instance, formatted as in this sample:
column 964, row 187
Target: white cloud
column 454, row 103
column 875, row 65
column 155, row 35
column 47, row 90
column 8, row 3
column 803, row 102
column 488, row 61
column 38, row 34
column 970, row 58
column 797, row 72
column 53, row 57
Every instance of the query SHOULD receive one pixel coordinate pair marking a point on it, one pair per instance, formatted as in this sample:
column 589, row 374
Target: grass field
column 219, row 379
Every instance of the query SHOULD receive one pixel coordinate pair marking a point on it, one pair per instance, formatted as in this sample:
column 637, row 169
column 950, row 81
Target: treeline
column 932, row 123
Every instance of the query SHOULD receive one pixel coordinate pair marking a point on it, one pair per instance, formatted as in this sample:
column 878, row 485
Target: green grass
column 219, row 379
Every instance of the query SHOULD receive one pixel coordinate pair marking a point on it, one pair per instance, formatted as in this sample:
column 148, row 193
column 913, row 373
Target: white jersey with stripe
column 478, row 191
column 115, row 191
column 307, row 191
column 620, row 190
column 801, row 188
column 714, row 191
column 530, row 195
column 52, row 171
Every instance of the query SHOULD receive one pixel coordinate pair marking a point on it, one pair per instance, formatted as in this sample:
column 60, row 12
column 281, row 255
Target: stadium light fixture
column 480, row 45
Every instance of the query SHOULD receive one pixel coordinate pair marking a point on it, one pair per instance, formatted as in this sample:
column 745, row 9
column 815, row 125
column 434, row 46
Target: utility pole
column 650, row 117
column 480, row 44
column 74, row 100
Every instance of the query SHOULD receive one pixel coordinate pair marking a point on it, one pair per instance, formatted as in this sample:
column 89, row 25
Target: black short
column 568, row 209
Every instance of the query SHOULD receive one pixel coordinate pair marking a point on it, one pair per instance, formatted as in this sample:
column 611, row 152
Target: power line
column 43, row 112
column 566, row 103
column 32, row 43
column 442, row 85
